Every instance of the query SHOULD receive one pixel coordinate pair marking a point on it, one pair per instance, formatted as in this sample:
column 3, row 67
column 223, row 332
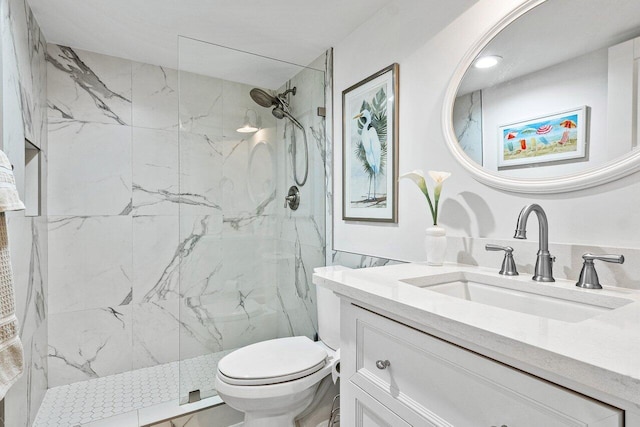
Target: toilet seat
column 272, row 362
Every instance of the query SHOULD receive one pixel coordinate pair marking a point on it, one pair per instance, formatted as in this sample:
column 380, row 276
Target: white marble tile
column 223, row 320
column 201, row 254
column 200, row 105
column 24, row 397
column 18, row 396
column 154, row 96
column 89, row 262
column 27, row 244
column 200, row 174
column 24, row 116
column 249, row 254
column 156, row 258
column 328, row 158
column 128, row 419
column 155, row 333
column 155, row 172
column 218, row 416
column 296, row 294
column 467, row 122
column 87, row 86
column 250, row 173
column 351, row 260
column 38, row 376
column 89, row 344
column 89, row 169
column 25, row 71
column 304, row 229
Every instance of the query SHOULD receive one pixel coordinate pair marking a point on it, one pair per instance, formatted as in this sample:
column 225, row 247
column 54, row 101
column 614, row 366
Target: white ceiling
column 296, row 31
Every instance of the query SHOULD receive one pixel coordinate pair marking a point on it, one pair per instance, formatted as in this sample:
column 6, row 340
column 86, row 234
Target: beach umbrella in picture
column 509, row 136
column 543, row 130
column 568, row 124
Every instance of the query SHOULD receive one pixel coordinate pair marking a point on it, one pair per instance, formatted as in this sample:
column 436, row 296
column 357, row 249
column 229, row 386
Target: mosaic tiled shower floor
column 87, row 401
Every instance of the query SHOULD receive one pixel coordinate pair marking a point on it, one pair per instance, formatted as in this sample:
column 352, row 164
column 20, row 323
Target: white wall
column 603, row 216
column 566, row 86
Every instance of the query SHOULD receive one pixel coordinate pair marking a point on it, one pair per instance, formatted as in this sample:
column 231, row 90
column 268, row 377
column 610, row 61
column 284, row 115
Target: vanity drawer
column 371, row 413
column 431, row 382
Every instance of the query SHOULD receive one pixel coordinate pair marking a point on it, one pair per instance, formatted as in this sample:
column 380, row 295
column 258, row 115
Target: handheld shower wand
column 281, row 110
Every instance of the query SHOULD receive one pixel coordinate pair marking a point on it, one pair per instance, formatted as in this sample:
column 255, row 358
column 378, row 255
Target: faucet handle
column 618, row 259
column 588, row 275
column 508, row 264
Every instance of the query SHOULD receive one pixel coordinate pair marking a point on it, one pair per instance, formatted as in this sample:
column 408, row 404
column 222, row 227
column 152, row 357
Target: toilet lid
column 273, row 361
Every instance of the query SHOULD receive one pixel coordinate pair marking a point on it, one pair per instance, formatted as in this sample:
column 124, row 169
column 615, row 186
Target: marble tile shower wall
column 164, row 232
column 113, row 170
column 24, row 116
column 301, row 233
column 226, row 278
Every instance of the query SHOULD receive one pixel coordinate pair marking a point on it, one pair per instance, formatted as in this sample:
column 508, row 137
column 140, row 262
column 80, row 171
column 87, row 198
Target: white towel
column 11, row 356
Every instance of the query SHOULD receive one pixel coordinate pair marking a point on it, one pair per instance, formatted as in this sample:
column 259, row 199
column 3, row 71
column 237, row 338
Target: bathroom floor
column 96, row 399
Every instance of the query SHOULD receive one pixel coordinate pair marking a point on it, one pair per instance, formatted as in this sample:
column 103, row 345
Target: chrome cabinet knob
column 588, row 275
column 508, row 264
column 382, row 364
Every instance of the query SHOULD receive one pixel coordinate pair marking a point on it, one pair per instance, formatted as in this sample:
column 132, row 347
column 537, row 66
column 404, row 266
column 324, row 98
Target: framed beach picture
column 560, row 136
column 370, row 148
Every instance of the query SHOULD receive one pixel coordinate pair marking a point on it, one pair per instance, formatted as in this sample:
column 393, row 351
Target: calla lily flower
column 417, row 176
column 439, row 177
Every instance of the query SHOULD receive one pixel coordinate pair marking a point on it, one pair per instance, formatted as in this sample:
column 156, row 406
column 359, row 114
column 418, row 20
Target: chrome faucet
column 544, row 262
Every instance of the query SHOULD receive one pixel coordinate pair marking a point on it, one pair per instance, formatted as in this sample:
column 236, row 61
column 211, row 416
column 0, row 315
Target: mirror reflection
column 555, row 92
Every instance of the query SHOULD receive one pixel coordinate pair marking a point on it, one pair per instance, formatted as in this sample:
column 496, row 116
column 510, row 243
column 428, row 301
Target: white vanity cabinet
column 430, row 382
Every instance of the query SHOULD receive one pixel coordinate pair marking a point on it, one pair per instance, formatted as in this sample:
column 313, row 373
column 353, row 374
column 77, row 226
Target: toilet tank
column 328, row 315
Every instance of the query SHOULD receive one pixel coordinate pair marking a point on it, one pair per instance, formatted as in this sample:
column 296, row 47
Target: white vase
column 435, row 243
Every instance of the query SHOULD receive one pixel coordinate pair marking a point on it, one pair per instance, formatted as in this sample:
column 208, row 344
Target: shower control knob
column 292, row 199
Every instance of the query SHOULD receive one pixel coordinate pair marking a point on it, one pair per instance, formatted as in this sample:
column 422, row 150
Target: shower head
column 279, row 102
column 278, row 112
column 262, row 98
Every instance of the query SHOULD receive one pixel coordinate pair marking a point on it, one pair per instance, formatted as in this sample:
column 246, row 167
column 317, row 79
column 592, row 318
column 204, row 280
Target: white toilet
column 274, row 381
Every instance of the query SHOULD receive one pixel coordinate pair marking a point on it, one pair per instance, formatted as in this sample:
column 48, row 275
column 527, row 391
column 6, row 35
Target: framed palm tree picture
column 370, row 148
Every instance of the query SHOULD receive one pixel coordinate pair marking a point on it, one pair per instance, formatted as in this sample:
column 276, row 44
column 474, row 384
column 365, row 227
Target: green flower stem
column 434, row 212
column 436, row 195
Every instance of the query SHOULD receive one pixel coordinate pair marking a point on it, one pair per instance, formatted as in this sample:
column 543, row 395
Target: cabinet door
column 371, row 413
column 431, row 382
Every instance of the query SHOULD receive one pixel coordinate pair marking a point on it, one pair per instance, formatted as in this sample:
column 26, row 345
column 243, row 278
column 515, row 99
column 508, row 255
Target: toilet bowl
column 274, row 381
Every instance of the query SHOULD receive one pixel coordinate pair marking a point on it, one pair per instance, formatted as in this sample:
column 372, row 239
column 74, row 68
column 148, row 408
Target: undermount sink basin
column 543, row 300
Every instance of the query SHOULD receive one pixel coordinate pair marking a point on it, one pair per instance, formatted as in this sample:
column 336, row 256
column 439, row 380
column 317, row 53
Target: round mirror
column 547, row 101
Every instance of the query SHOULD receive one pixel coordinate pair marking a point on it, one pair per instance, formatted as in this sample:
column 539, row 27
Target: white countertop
column 599, row 356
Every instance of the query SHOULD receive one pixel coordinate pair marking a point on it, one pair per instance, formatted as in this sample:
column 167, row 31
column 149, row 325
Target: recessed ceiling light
column 487, row 61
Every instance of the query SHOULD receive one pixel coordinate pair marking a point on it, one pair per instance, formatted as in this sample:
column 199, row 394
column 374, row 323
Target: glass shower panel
column 245, row 261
